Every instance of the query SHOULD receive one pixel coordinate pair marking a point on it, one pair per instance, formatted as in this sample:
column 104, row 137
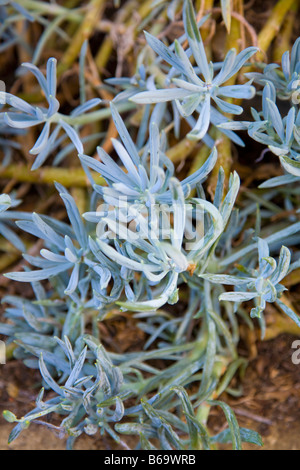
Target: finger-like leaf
column 226, row 13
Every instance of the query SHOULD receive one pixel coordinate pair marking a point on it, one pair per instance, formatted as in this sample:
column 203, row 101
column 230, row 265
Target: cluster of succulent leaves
column 269, row 127
column 191, row 92
column 114, row 259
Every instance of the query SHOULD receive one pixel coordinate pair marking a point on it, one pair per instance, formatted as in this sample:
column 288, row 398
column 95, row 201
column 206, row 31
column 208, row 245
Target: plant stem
column 68, row 177
column 181, row 151
column 223, row 142
column 94, row 11
column 223, row 145
column 94, row 116
column 283, row 40
column 8, row 259
column 278, row 323
column 273, row 25
column 53, row 9
column 292, row 278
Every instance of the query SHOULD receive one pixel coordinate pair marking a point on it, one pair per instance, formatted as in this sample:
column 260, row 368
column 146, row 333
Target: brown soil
column 270, row 403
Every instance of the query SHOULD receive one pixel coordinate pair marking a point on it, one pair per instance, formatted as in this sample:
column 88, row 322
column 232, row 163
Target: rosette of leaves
column 33, row 324
column 86, row 265
column 144, row 251
column 134, row 198
column 285, row 79
column 143, row 180
column 269, row 127
column 191, row 93
column 145, row 258
column 89, row 394
column 68, row 249
column 261, row 285
column 23, row 115
column 280, row 134
column 144, row 80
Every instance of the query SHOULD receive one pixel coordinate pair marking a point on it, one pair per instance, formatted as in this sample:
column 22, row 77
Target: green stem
column 45, row 37
column 92, row 117
column 53, row 10
column 7, row 260
column 273, row 25
column 283, row 40
column 89, row 22
column 68, row 177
